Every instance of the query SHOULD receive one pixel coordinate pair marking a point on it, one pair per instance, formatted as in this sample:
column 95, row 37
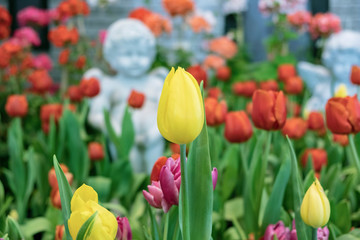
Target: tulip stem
column 354, row 153
column 184, row 194
column 314, row 234
column 166, row 228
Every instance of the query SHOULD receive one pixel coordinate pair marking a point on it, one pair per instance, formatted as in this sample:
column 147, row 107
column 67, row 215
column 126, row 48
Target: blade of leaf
column 301, row 229
column 154, row 225
column 87, row 227
column 65, row 195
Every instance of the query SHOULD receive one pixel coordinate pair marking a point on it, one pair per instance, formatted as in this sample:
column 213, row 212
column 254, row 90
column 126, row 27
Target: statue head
column 341, row 51
column 129, row 47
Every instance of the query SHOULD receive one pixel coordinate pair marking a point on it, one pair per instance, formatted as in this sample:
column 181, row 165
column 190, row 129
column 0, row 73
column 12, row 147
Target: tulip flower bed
column 244, row 158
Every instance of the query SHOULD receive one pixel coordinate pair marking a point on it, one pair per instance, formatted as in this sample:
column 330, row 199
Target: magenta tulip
column 124, row 230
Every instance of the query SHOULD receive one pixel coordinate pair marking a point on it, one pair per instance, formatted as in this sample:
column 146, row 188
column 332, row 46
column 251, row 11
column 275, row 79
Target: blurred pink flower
column 213, row 61
column 223, row 46
column 42, row 61
column 102, row 35
column 33, row 16
column 27, row 36
column 124, row 230
column 299, row 19
column 324, row 24
column 279, row 230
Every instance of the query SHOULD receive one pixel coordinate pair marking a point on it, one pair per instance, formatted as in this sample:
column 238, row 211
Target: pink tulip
column 278, row 230
column 27, row 36
column 42, row 61
column 214, row 175
column 155, row 195
column 124, row 230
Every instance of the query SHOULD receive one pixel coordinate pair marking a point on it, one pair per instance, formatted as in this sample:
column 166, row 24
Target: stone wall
column 348, row 11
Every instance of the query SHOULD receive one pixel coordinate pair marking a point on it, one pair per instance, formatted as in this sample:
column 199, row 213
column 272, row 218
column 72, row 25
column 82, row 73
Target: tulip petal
column 167, row 183
column 81, row 195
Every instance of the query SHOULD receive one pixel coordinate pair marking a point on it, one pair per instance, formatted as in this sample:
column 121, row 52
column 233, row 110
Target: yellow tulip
column 84, row 203
column 180, row 115
column 341, row 91
column 315, row 208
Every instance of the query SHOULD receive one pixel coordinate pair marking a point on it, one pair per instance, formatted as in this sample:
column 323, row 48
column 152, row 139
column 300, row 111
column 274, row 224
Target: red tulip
column 286, row 71
column 343, row 115
column 215, row 111
column 318, row 156
column 136, row 99
column 294, row 85
column 269, row 110
column 198, row 73
column 295, row 128
column 74, row 93
column 269, row 85
column 95, row 151
column 355, row 75
column 316, row 121
column 40, row 80
column 59, row 232
column 223, row 73
column 341, row 139
column 245, row 89
column 237, row 127
column 90, row 87
column 52, row 176
column 215, row 93
column 16, row 106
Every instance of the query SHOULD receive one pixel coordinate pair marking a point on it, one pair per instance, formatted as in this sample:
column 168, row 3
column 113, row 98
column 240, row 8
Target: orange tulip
column 295, row 128
column 95, row 151
column 286, row 71
column 355, row 75
column 16, row 106
column 318, row 157
column 136, row 99
column 237, row 127
column 215, row 111
column 245, row 89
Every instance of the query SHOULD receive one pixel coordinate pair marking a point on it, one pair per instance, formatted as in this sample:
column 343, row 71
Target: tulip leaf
column 13, row 229
column 200, row 188
column 154, row 226
column 341, row 216
column 65, row 195
column 127, row 134
column 298, row 192
column 273, row 206
column 87, row 227
column 230, row 172
column 36, row 225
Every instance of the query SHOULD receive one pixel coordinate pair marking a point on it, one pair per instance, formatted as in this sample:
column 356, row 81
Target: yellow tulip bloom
column 341, row 91
column 315, row 208
column 84, row 203
column 180, row 115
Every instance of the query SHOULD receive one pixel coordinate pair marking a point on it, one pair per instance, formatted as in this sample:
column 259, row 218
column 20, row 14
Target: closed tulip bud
column 318, row 157
column 59, row 232
column 237, row 127
column 343, row 115
column 80, row 62
column 180, row 115
column 124, row 230
column 341, row 91
column 215, row 93
column 136, row 99
column 52, row 176
column 74, row 93
column 215, row 111
column 95, row 151
column 279, row 230
column 269, row 110
column 355, row 75
column 198, row 73
column 214, row 175
column 55, row 198
column 16, row 106
column 84, row 203
column 341, row 139
column 223, row 73
column 294, row 85
column 90, row 87
column 286, row 71
column 295, row 128
column 245, row 89
column 316, row 121
column 64, row 56
column 315, row 207
column 269, row 85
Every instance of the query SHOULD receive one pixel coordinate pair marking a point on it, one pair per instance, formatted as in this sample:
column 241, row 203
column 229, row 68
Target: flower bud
column 343, row 115
column 269, row 110
column 286, row 71
column 318, row 156
column 180, row 115
column 315, row 207
column 16, row 106
column 295, row 128
column 124, row 230
column 355, row 75
column 294, row 85
column 215, row 93
column 198, row 73
column 74, row 93
column 271, row 85
column 95, row 151
column 237, row 127
column 223, row 73
column 245, row 89
column 316, row 121
column 136, row 99
column 90, row 87
column 215, row 111
column 59, row 232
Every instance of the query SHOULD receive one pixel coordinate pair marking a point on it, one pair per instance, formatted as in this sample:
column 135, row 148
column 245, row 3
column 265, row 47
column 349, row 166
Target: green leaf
column 127, row 138
column 234, row 209
column 65, row 195
column 13, row 229
column 341, row 216
column 298, row 192
column 101, row 185
column 36, row 225
column 200, row 187
column 31, row 173
column 231, row 171
column 154, row 226
column 353, row 235
column 110, row 130
column 87, row 227
column 273, row 206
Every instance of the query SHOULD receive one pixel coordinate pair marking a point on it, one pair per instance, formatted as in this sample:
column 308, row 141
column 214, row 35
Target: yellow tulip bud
column 315, row 208
column 180, row 115
column 341, row 91
column 84, row 203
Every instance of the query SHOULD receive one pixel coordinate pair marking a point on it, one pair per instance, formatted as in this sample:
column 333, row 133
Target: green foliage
column 87, row 227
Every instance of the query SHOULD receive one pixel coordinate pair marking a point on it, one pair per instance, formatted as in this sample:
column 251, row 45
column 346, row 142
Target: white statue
column 130, row 49
column 341, row 51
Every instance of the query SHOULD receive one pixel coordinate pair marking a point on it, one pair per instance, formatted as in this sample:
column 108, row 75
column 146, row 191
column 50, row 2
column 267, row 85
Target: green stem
column 239, row 229
column 184, row 194
column 243, row 159
column 166, row 228
column 314, row 234
column 354, row 153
